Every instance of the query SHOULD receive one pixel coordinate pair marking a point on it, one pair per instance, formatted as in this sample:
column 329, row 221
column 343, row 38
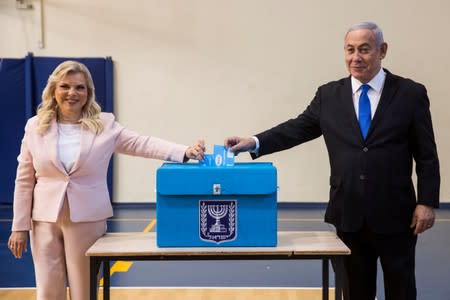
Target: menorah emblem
column 217, row 212
column 217, row 220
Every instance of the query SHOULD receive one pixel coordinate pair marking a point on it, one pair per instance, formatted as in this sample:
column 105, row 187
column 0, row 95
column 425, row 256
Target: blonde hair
column 48, row 109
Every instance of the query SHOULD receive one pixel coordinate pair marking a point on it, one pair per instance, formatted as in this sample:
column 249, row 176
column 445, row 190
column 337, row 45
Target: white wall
column 186, row 69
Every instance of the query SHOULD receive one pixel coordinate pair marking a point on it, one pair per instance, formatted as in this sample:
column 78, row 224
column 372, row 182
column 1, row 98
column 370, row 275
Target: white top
column 374, row 93
column 68, row 144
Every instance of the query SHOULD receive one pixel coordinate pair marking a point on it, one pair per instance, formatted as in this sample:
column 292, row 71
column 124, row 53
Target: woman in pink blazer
column 61, row 197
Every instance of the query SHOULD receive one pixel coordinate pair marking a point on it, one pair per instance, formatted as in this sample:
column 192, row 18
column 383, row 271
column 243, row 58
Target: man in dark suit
column 374, row 125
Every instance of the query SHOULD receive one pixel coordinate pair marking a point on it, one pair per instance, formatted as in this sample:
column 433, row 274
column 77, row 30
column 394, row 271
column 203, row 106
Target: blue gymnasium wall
column 21, row 84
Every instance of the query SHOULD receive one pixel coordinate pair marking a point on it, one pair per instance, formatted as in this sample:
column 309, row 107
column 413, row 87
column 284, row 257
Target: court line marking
column 124, row 266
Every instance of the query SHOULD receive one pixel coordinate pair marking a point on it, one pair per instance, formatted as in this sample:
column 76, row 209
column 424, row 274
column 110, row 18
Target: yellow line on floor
column 150, row 226
column 124, row 266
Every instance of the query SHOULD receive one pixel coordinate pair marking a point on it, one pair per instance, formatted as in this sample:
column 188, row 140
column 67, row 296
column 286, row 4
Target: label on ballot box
column 210, row 206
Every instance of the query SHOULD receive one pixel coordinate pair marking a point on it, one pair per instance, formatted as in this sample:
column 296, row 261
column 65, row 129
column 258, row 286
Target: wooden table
column 130, row 246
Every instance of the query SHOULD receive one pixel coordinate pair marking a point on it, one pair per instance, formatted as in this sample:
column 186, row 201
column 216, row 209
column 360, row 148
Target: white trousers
column 59, row 256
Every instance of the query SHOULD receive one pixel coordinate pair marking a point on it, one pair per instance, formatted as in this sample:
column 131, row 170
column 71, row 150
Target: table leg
column 106, row 277
column 94, row 266
column 325, row 279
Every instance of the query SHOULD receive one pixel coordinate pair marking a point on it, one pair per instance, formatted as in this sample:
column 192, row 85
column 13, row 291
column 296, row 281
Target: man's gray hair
column 371, row 26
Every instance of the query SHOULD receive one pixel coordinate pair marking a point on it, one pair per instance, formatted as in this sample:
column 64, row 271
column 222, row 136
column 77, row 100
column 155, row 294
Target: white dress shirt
column 374, row 93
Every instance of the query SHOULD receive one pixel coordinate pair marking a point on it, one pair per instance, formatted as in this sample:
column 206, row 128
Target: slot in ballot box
column 206, row 206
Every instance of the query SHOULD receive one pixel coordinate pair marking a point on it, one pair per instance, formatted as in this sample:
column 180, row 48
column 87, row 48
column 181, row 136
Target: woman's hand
column 17, row 243
column 197, row 151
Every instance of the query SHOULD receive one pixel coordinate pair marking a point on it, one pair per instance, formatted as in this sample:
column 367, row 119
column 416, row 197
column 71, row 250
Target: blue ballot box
column 207, row 206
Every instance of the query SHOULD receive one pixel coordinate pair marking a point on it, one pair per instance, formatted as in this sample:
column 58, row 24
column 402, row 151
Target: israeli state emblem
column 217, row 220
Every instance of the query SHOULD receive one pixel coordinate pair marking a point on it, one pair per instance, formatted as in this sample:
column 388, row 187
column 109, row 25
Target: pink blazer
column 42, row 182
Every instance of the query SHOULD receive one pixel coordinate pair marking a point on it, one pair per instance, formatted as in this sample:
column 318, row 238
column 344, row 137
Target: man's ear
column 383, row 50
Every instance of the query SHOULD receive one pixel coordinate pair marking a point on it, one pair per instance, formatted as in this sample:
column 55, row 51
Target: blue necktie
column 364, row 116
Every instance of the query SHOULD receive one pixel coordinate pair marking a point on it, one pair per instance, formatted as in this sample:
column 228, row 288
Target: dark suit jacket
column 370, row 180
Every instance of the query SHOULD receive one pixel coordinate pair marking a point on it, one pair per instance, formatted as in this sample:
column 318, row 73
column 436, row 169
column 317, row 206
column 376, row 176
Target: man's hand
column 239, row 144
column 17, row 243
column 423, row 218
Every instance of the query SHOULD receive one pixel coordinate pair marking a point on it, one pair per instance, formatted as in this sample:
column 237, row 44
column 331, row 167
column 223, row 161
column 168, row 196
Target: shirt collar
column 376, row 83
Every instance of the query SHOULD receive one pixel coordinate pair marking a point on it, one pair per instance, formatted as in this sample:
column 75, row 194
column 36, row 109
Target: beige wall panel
column 187, row 69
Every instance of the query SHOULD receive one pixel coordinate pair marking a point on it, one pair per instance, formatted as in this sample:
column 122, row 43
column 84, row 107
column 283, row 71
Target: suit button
column 66, row 179
column 365, row 149
column 362, row 177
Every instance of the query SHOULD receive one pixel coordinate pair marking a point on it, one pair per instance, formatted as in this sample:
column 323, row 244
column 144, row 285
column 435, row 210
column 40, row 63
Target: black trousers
column 397, row 257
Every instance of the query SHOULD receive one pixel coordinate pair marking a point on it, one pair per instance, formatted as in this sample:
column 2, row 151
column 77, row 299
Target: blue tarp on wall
column 21, row 84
